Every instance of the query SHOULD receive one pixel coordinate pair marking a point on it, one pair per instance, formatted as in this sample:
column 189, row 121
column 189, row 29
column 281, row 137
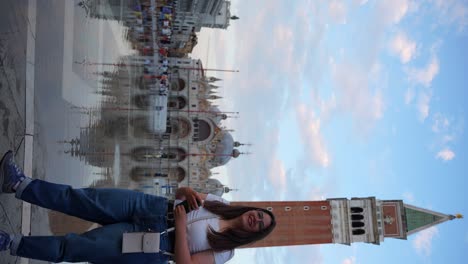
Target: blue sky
column 348, row 99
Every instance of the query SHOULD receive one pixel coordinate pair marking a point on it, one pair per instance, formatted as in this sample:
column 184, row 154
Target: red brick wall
column 297, row 226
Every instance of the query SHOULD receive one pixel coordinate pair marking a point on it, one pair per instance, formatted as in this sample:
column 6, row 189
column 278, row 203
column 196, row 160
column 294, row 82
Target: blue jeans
column 117, row 210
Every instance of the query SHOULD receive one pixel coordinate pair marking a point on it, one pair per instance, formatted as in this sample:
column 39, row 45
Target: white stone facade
column 355, row 221
column 195, row 140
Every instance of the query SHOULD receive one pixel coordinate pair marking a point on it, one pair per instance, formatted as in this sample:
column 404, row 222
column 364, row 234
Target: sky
column 348, row 99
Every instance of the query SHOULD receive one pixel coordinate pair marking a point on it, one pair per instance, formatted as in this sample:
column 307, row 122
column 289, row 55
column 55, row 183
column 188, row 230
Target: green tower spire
column 418, row 219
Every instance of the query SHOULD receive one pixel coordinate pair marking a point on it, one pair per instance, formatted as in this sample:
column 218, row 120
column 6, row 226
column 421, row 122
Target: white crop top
column 197, row 238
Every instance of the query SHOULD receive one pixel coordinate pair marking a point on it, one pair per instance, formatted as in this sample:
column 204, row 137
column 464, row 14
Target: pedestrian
column 207, row 234
column 163, row 51
column 166, row 31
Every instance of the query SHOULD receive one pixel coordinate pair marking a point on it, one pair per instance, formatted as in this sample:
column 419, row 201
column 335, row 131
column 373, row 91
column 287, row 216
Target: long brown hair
column 232, row 237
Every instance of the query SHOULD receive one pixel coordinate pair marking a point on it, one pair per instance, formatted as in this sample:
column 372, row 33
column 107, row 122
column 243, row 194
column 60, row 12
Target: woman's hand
column 193, row 198
column 180, row 217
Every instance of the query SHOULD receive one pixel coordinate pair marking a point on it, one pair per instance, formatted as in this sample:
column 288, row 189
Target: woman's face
column 255, row 221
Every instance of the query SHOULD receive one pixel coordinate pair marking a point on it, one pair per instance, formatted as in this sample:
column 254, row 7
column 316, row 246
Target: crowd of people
column 151, row 32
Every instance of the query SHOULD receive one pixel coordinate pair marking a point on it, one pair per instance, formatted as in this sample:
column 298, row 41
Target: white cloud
column 409, row 96
column 316, row 194
column 403, row 47
column 446, row 132
column 312, row 136
column 337, row 10
column 326, row 107
column 279, row 255
column 283, row 43
column 356, row 96
column 445, row 154
column 425, row 75
column 392, row 11
column 441, row 123
column 277, row 174
column 452, row 12
column 423, row 105
column 349, row 260
column 423, row 241
column 360, row 2
column 446, row 139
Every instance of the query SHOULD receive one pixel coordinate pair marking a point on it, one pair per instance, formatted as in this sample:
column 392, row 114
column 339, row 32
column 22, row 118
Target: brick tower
column 345, row 221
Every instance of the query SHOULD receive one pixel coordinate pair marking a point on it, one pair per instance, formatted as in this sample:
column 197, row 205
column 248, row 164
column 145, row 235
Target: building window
column 356, row 210
column 357, row 217
column 359, row 232
column 201, row 131
column 270, row 209
column 323, row 207
column 194, row 88
column 287, row 208
column 306, row 208
column 357, row 220
column 357, row 224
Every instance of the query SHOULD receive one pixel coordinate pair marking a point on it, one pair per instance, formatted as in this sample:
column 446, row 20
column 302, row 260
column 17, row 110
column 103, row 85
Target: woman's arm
column 205, row 257
column 182, row 253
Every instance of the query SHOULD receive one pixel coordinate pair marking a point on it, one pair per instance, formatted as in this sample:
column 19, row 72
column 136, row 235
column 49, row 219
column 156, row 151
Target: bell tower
column 344, row 221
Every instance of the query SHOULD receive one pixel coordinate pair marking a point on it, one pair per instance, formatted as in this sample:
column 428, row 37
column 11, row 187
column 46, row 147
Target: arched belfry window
column 357, row 224
column 359, row 232
column 357, row 220
column 357, row 217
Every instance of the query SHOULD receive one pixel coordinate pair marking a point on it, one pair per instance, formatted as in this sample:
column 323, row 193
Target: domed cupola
column 215, row 109
column 235, row 153
column 215, row 187
column 223, row 149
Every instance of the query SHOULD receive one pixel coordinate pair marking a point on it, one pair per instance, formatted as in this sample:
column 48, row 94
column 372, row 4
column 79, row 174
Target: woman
column 207, row 234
